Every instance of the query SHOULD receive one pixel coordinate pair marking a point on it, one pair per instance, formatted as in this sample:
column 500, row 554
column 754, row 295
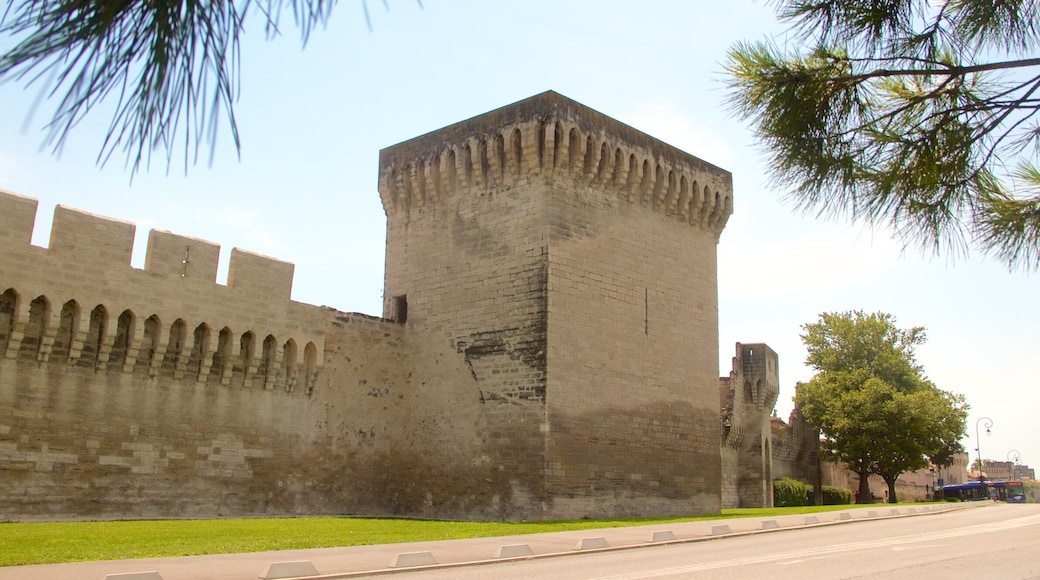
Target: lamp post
column 931, row 482
column 1011, row 466
column 978, row 442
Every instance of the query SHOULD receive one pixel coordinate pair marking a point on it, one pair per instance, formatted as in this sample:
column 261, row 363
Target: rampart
column 548, row 347
column 127, row 392
column 80, row 303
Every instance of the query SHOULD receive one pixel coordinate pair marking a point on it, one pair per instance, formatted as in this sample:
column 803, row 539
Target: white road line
column 826, row 551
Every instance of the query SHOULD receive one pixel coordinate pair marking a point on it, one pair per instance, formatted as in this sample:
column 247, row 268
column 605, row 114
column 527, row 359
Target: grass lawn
column 52, row 542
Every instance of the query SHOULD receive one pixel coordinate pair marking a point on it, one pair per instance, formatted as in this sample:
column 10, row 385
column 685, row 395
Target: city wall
column 158, row 392
column 548, row 346
column 139, row 392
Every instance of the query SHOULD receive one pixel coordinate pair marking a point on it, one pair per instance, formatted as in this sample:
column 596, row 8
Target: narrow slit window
column 400, row 308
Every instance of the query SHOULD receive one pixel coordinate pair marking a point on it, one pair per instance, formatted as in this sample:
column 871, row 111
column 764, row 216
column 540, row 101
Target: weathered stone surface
column 747, row 397
column 548, row 346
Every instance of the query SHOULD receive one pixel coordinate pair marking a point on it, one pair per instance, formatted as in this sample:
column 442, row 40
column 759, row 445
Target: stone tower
column 569, row 261
column 747, row 398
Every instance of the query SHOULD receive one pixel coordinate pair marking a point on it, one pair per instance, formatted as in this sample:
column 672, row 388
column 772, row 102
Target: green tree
column 170, row 66
column 913, row 114
column 875, row 409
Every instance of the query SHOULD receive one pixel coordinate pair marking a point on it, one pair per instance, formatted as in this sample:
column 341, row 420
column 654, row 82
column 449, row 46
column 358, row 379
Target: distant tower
column 748, row 396
column 569, row 260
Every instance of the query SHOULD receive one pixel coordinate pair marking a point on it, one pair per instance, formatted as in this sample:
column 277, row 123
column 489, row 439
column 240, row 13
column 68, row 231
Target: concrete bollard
column 412, row 559
column 592, row 544
column 289, row 570
column 514, row 551
column 662, row 536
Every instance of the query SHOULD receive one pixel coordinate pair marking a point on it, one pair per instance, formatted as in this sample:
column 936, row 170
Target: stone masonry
column 548, row 347
column 747, row 397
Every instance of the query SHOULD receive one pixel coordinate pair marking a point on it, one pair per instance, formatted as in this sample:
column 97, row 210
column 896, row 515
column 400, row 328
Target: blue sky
column 313, row 121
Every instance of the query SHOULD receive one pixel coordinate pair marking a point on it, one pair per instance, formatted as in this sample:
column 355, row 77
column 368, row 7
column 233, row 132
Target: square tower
column 569, row 262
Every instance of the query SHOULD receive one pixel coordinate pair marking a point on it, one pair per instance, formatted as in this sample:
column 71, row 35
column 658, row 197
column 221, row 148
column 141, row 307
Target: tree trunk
column 891, row 490
column 818, row 489
column 864, row 487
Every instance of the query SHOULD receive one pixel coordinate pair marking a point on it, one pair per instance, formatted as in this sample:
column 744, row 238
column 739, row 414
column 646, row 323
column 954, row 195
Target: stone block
column 294, row 569
column 413, row 559
column 662, row 536
column 592, row 544
column 514, row 551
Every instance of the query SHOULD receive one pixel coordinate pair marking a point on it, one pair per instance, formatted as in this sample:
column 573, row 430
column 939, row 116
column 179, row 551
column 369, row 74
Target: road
column 999, row 541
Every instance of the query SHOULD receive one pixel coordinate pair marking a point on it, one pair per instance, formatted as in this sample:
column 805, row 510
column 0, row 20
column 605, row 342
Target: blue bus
column 1009, row 491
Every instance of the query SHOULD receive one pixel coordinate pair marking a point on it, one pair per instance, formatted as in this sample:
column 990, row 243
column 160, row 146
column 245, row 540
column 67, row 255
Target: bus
column 1009, row 491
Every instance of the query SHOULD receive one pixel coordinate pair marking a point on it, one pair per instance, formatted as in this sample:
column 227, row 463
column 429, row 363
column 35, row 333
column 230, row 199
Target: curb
column 593, row 545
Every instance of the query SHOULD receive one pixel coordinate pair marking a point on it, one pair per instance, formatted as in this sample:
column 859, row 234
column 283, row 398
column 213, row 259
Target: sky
column 312, row 121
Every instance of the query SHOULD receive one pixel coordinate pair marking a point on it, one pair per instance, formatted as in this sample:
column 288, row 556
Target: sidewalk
column 361, row 560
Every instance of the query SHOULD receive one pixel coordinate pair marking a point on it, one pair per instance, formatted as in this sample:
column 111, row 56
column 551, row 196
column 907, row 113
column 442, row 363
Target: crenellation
column 17, row 218
column 174, row 256
column 89, row 239
column 132, row 343
column 260, row 277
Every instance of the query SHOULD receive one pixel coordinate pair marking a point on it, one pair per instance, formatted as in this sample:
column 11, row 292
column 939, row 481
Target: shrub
column 831, row 495
column 789, row 492
column 836, row 495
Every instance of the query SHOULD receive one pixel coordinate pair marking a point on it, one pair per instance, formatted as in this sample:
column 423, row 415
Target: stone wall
column 127, row 392
column 548, row 346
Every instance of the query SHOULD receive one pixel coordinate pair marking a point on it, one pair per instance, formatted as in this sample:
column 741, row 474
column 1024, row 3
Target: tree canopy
column 876, row 410
column 917, row 115
column 170, row 66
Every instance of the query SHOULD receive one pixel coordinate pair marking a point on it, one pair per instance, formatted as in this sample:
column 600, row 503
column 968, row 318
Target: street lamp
column 978, row 443
column 1011, row 466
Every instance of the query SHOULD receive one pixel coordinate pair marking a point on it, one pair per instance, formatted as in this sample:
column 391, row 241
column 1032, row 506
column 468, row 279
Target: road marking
column 924, row 547
column 837, row 549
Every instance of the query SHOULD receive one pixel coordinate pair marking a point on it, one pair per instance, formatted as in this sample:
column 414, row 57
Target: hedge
column 789, row 492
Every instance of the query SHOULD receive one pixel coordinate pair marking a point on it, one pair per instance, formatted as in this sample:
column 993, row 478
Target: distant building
column 1006, row 470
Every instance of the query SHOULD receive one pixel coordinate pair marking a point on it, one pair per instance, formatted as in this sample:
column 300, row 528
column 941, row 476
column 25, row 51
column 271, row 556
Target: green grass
column 53, row 542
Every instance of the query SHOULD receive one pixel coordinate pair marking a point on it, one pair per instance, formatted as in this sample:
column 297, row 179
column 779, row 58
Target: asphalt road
column 998, row 541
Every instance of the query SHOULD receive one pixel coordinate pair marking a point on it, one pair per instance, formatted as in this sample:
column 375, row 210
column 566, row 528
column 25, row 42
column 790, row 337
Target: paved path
column 380, row 559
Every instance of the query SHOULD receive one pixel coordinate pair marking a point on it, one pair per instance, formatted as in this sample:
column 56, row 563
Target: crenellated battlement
column 551, row 138
column 80, row 303
column 102, row 242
